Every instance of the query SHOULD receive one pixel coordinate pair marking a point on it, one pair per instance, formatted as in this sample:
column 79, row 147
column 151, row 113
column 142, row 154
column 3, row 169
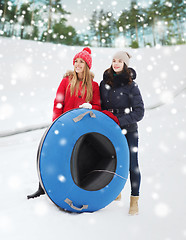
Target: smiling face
column 79, row 65
column 117, row 65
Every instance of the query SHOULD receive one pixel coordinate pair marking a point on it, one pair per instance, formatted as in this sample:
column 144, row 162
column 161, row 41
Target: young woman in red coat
column 76, row 90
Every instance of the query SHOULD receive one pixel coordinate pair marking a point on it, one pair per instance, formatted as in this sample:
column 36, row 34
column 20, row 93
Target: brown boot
column 134, row 205
column 118, row 197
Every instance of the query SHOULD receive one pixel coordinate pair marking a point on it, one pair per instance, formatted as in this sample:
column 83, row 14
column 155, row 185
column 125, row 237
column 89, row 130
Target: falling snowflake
column 124, row 131
column 6, row 111
column 163, row 147
column 19, row 124
column 61, row 178
column 107, row 87
column 175, row 67
column 59, row 106
column 155, row 196
column 14, row 182
column 59, row 97
column 5, row 222
column 168, row 4
column 40, row 209
column 114, row 3
column 56, row 132
column 13, row 82
column 149, row 67
column 166, row 97
column 174, row 111
column 181, row 135
column 63, row 141
column 158, row 46
column 139, row 57
column 135, row 149
column 32, row 94
column 149, row 129
column 22, row 71
column 156, row 83
column 162, row 210
column 92, row 221
column 127, row 110
column 184, row 169
column 3, row 98
column 163, row 75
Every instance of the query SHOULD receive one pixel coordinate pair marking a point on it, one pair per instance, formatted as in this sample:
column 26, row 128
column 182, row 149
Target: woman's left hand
column 86, row 105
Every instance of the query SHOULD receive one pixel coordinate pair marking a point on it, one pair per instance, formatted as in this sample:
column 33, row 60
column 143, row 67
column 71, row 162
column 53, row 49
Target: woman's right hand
column 86, row 105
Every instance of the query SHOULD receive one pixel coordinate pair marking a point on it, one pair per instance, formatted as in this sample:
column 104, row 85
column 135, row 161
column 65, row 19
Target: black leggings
column 135, row 176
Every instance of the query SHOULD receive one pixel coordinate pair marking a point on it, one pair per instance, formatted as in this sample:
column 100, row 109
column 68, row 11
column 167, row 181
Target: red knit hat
column 85, row 54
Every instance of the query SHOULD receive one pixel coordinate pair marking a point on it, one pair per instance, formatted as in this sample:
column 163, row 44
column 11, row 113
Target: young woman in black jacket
column 121, row 96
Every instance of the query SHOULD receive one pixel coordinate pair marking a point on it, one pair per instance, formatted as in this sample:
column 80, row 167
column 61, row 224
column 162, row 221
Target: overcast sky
column 81, row 10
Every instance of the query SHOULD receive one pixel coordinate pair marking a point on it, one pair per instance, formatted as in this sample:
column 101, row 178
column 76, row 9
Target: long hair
column 111, row 72
column 86, row 84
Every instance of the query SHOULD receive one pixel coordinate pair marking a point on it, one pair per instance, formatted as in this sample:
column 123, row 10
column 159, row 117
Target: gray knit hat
column 124, row 56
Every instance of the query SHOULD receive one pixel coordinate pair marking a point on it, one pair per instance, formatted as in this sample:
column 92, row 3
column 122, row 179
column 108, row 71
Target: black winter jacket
column 124, row 99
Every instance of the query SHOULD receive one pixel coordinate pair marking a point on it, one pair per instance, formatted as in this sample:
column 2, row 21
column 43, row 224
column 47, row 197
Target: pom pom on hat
column 87, row 49
column 85, row 54
column 124, row 56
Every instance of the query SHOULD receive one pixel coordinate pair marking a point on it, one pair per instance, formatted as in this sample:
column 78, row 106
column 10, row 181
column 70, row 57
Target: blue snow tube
column 83, row 161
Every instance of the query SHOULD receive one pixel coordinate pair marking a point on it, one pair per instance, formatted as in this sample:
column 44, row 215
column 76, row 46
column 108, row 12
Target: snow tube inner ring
column 93, row 161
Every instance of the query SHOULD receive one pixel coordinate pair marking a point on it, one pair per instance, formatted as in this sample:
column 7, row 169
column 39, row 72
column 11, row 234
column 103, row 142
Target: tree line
column 43, row 20
column 162, row 22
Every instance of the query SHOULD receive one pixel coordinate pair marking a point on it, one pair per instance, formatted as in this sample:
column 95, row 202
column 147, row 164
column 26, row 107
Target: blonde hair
column 86, row 84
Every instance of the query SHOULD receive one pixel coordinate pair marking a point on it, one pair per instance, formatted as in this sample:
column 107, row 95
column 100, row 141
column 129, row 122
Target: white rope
column 107, row 171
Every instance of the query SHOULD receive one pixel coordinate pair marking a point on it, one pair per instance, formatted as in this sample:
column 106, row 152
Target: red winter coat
column 65, row 102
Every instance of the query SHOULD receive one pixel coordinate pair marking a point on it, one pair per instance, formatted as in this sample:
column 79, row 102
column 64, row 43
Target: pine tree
column 26, row 18
column 133, row 16
column 123, row 23
column 93, row 23
column 153, row 15
column 178, row 8
column 103, row 28
column 1, row 4
column 4, row 9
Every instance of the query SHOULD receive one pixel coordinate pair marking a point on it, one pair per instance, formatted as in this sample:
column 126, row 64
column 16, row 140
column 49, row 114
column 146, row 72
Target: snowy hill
column 30, row 72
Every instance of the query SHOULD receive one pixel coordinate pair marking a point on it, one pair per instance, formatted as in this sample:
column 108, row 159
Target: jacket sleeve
column 59, row 100
column 136, row 113
column 96, row 97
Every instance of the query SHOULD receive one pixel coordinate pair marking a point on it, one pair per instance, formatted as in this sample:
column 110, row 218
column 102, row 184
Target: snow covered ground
column 30, row 72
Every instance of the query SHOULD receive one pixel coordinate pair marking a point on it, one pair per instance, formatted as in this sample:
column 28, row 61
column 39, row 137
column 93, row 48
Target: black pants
column 135, row 176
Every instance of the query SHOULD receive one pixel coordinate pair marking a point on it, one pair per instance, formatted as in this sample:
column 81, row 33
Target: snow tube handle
column 81, row 116
column 70, row 203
